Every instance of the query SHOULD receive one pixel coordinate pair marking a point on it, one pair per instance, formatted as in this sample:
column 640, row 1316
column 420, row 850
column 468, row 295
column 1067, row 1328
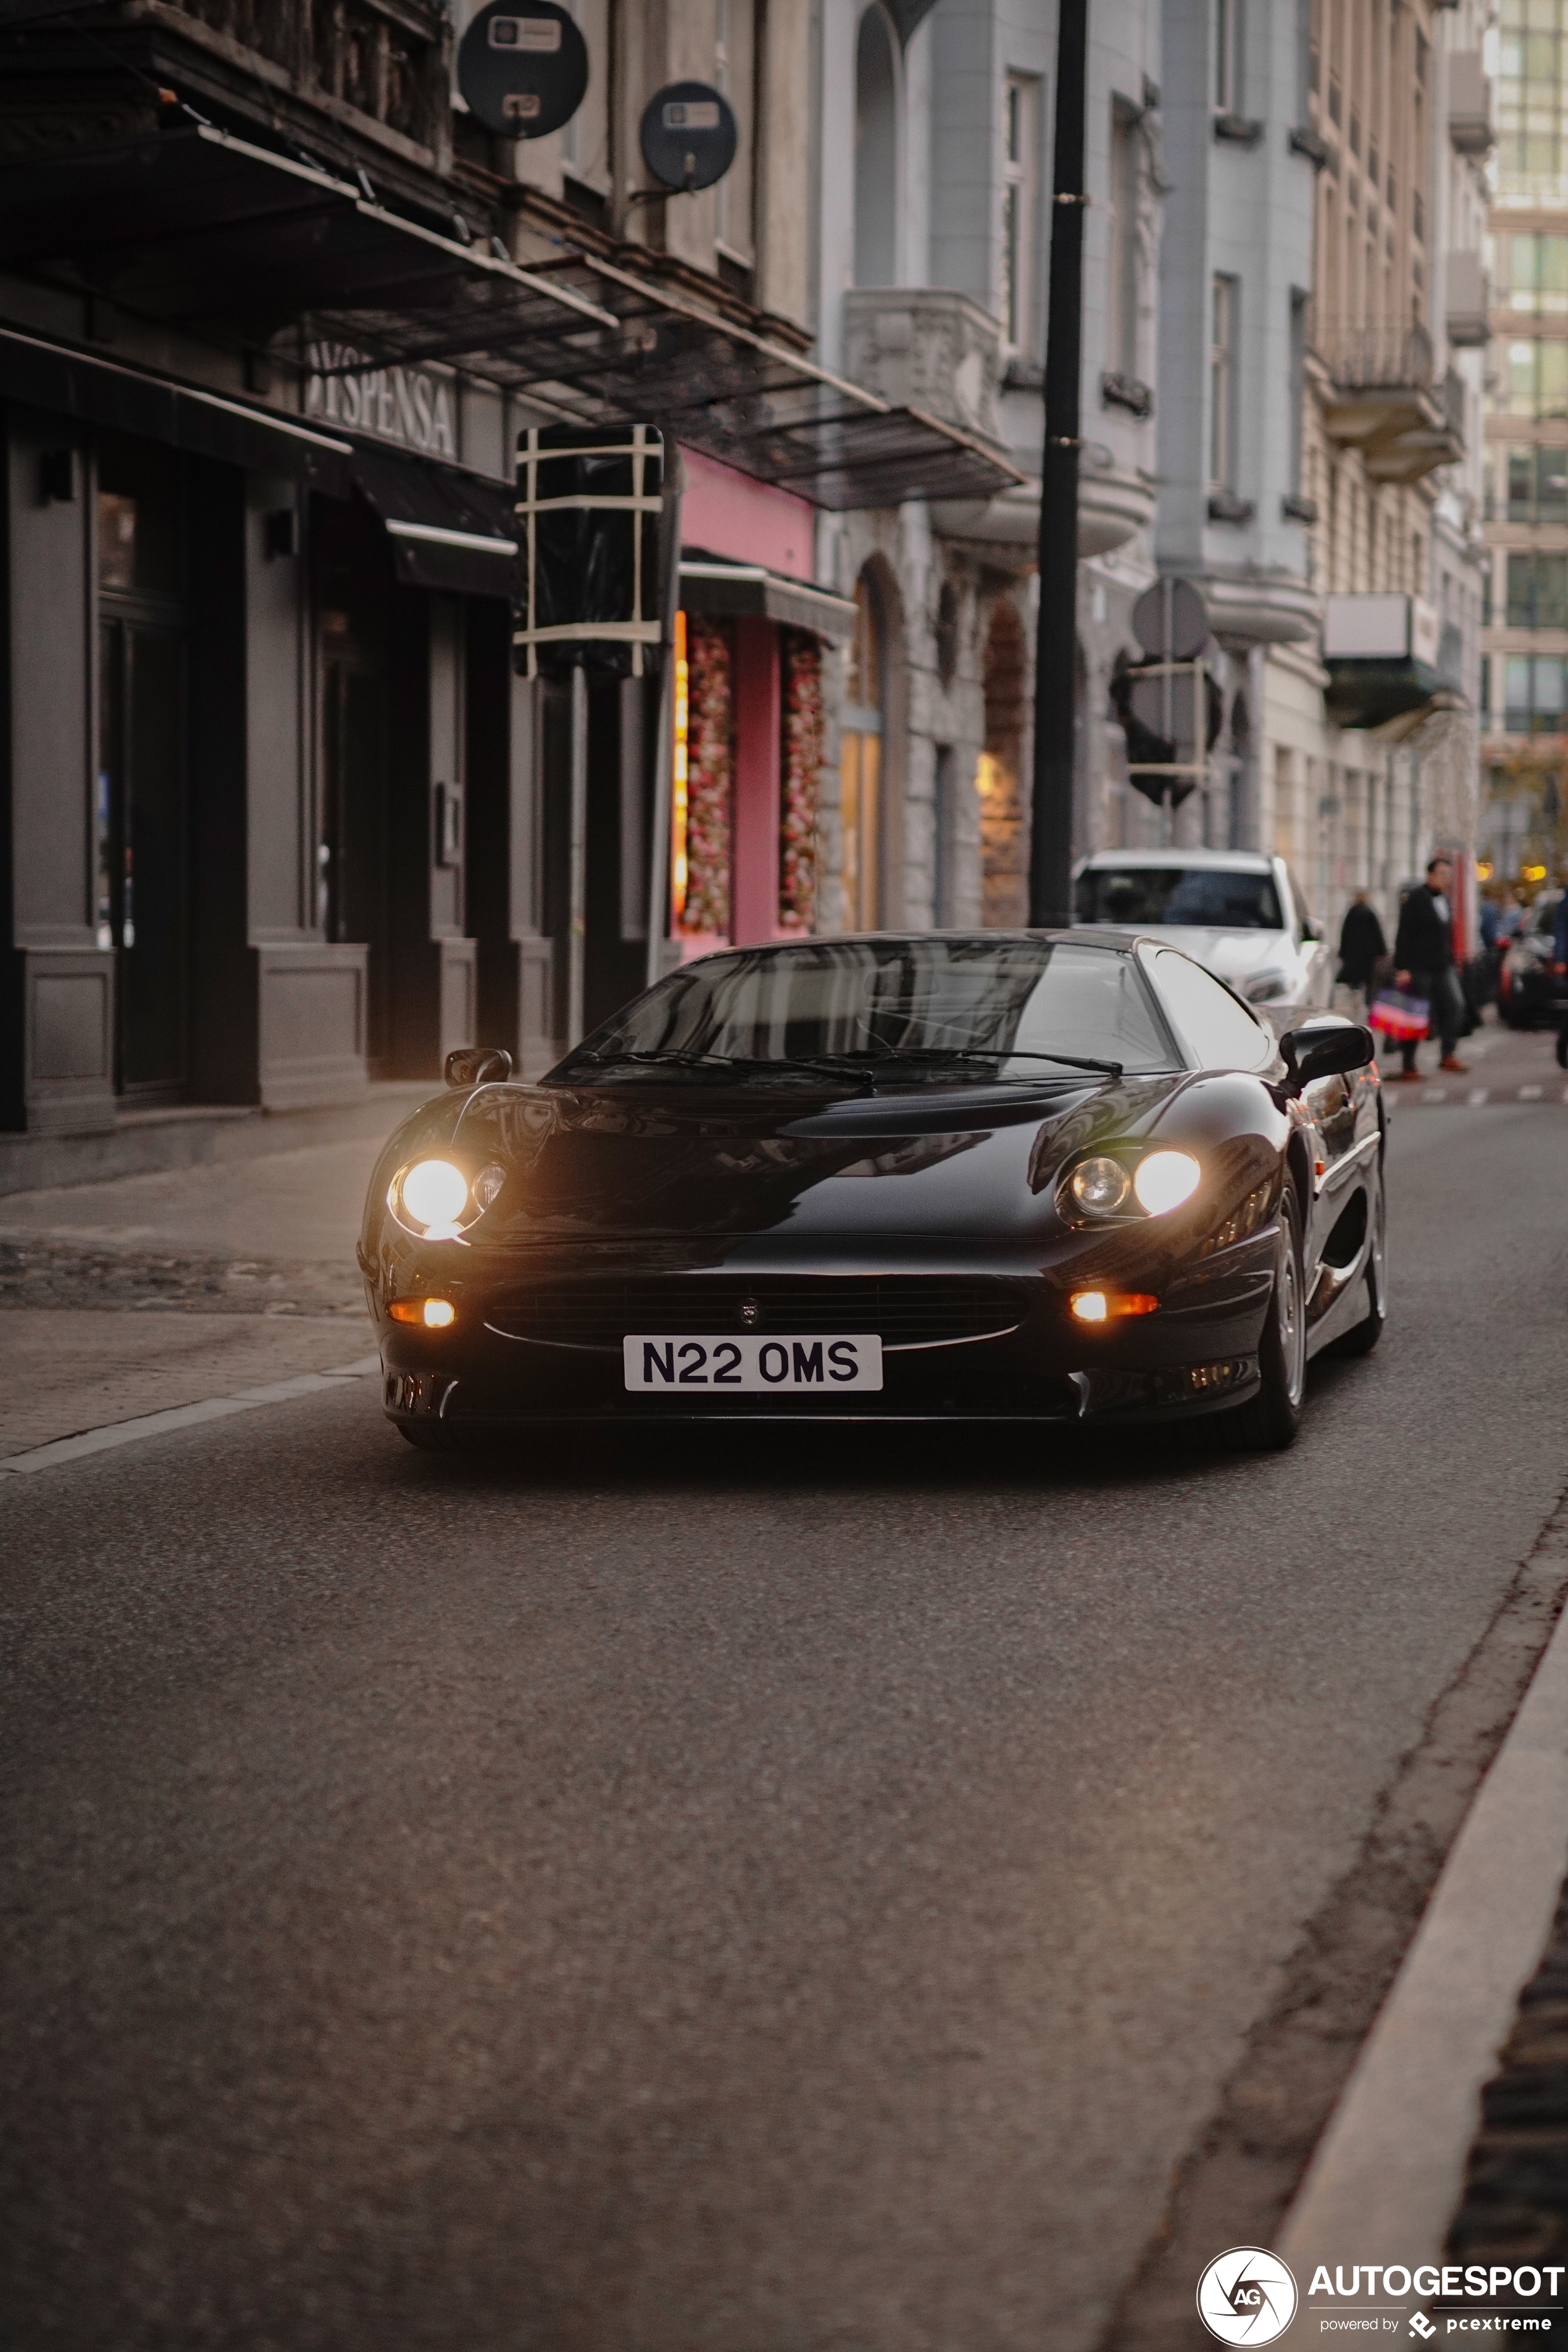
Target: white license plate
column 800, row 1365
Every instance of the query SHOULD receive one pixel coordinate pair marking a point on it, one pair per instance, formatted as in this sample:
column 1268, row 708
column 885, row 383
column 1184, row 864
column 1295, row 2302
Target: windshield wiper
column 991, row 1053
column 735, row 1065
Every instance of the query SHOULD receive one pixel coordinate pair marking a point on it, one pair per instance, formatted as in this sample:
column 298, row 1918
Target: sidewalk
column 143, row 1292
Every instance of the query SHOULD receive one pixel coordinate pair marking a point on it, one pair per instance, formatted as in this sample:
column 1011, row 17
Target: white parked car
column 1241, row 915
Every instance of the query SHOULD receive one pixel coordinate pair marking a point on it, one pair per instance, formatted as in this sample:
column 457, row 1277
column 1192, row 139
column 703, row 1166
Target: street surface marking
column 1477, row 1096
column 1529, row 1093
column 1436, row 1095
column 181, row 1416
column 1387, row 2175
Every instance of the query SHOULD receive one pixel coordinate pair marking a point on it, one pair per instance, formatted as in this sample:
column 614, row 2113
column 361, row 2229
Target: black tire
column 429, row 1436
column 1268, row 1422
column 1363, row 1336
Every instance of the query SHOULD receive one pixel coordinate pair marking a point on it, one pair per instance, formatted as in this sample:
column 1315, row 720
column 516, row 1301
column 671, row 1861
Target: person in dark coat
column 1361, row 944
column 1424, row 963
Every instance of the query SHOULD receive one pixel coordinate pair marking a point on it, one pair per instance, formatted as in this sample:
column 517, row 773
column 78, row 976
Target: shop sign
column 396, row 403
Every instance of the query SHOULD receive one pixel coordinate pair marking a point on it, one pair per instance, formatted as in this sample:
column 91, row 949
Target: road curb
column 61, row 1449
column 1388, row 2172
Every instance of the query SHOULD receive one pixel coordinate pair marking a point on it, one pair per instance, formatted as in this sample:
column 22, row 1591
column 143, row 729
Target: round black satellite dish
column 688, row 134
column 523, row 66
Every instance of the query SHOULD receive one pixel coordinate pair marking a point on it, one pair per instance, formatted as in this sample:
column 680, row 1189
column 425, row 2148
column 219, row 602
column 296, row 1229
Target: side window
column 1220, row 1032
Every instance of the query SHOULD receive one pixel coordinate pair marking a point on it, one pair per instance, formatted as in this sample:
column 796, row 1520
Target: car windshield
column 939, row 1010
column 1213, row 898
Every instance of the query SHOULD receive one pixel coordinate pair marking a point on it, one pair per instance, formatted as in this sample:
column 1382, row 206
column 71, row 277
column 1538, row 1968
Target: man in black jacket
column 1423, row 959
column 1361, row 945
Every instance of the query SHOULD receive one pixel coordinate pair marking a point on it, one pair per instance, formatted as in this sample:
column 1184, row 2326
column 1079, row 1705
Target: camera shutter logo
column 1246, row 2295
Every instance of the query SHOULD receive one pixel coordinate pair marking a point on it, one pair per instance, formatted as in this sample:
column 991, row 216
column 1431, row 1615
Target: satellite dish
column 523, row 67
column 689, row 135
column 1171, row 620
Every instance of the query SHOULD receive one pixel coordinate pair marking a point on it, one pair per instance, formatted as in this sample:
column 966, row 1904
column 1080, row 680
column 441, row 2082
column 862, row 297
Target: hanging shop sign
column 589, row 504
column 689, row 135
column 522, row 71
column 404, row 405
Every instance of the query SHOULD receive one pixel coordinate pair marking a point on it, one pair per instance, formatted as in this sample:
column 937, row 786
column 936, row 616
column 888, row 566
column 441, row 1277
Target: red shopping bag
column 1400, row 1015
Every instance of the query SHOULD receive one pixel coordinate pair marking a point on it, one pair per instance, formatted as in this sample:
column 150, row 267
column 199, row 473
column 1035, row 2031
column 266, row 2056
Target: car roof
column 1219, row 861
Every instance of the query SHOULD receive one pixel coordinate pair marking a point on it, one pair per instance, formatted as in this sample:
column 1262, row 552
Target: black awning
column 701, row 377
column 709, row 584
column 101, row 392
column 190, row 224
column 448, row 530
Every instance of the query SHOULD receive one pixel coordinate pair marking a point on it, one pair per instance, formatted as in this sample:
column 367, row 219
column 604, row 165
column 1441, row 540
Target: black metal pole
column 1055, row 643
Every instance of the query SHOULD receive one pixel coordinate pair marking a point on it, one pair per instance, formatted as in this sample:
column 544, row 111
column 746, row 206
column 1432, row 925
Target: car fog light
column 1164, row 1179
column 1091, row 1306
column 434, row 1313
column 434, row 1192
column 1099, row 1185
column 1104, row 1306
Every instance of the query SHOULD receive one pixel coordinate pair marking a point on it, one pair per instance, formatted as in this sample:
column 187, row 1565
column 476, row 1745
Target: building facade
column 1525, row 701
column 280, row 813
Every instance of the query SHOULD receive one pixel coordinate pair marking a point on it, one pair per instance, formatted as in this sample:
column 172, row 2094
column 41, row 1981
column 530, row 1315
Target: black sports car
column 1009, row 1176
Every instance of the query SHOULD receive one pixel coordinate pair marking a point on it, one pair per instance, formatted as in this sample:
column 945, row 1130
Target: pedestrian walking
column 1361, row 945
column 1424, row 964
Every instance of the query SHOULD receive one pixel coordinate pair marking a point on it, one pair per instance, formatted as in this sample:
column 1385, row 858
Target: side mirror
column 477, row 1066
column 1319, row 1048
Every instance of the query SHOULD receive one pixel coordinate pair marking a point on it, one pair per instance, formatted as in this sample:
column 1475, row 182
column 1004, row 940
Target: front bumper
column 1196, row 1354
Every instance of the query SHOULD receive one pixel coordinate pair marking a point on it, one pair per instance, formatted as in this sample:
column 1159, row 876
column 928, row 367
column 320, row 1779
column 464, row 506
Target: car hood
column 1234, row 956
column 628, row 1164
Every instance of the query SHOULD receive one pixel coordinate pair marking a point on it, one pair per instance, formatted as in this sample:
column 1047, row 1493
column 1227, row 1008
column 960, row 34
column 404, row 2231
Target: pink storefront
column 749, row 712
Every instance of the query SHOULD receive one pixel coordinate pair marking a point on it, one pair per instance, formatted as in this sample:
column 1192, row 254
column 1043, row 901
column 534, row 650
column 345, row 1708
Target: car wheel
column 1363, row 1336
column 430, row 1437
column 1271, row 1420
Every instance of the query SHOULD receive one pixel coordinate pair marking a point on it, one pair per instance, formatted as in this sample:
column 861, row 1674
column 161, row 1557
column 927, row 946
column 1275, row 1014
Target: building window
column 1535, row 381
column 1228, row 56
column 1533, row 273
column 1533, row 696
column 876, row 152
column 860, row 763
column 1298, row 388
column 1542, row 495
column 1125, row 284
column 1537, row 591
column 1020, row 206
column 1223, row 305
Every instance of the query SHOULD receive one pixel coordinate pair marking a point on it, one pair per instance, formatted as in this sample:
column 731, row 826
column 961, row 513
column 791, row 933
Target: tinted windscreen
column 1140, row 896
column 1010, row 1004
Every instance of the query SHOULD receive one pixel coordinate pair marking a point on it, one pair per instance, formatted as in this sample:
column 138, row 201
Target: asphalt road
column 714, row 1899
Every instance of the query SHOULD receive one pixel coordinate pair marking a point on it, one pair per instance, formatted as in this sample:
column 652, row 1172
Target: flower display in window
column 711, row 779
column 801, row 771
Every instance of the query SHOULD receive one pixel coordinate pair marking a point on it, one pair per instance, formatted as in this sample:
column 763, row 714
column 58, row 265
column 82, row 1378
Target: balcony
column 1383, row 657
column 926, row 348
column 380, row 67
column 1468, row 315
column 1381, row 397
column 1470, row 128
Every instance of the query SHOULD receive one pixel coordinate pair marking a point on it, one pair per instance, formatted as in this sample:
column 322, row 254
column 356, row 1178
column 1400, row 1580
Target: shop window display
column 711, row 779
column 801, row 769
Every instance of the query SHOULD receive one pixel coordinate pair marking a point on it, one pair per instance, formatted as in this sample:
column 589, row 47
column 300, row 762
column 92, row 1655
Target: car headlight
column 434, row 1192
column 1269, row 987
column 1099, row 1185
column 1148, row 1186
column 1164, row 1179
column 435, row 1199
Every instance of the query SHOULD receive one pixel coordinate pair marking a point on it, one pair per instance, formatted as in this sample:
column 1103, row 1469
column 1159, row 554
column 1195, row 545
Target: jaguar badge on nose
column 751, row 1314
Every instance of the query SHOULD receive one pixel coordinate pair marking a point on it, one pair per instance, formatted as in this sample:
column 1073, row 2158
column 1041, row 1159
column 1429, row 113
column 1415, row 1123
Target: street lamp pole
column 1055, row 642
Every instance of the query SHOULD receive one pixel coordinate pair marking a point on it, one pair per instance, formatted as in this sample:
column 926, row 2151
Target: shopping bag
column 1400, row 1015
